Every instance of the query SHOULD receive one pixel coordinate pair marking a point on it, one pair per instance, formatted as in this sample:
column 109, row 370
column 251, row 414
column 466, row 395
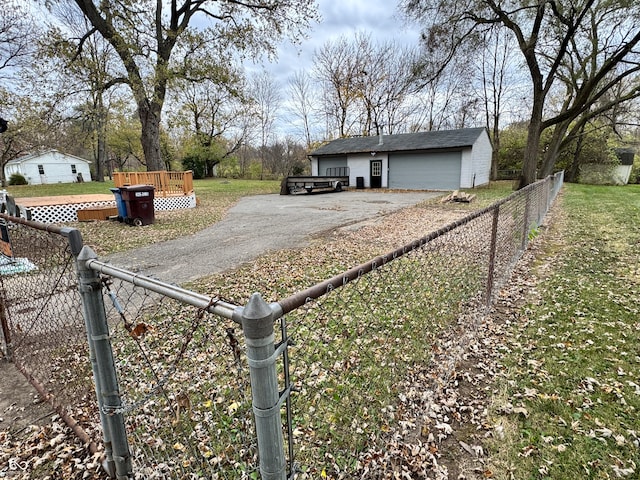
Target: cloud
column 342, row 18
column 353, row 15
column 380, row 19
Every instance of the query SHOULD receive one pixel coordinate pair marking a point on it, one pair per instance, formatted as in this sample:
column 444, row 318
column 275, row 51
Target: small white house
column 437, row 160
column 49, row 167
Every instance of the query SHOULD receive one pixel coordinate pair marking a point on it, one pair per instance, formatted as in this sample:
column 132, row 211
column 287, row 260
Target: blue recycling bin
column 120, row 204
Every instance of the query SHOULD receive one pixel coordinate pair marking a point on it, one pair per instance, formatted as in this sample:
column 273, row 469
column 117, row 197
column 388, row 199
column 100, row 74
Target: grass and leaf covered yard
column 569, row 401
column 564, row 399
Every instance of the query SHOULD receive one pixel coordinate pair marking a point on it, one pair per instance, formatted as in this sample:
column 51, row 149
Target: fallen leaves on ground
column 441, row 422
column 47, row 452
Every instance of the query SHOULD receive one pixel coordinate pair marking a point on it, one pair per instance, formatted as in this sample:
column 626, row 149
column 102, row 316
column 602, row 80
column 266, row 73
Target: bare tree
column 301, row 94
column 338, row 68
column 442, row 94
column 366, row 84
column 18, row 32
column 148, row 35
column 267, row 103
column 17, row 38
column 389, row 78
column 496, row 84
column 550, row 36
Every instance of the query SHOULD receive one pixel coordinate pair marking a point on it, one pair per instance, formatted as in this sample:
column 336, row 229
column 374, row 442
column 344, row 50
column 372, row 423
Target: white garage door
column 425, row 171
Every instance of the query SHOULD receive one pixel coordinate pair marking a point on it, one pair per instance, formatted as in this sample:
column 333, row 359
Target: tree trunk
column 554, row 147
column 572, row 174
column 494, row 164
column 3, row 179
column 150, row 119
column 101, row 133
column 530, row 161
column 210, row 168
column 496, row 147
column 102, row 157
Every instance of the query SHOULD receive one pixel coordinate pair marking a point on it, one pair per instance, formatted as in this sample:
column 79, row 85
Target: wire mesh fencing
column 357, row 340
column 43, row 329
column 184, row 386
column 187, row 386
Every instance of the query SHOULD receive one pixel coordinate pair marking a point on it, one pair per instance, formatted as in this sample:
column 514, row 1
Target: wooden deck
column 167, row 184
column 63, row 200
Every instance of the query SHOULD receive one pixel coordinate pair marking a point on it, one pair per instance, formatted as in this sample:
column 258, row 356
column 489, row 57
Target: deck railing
column 166, row 183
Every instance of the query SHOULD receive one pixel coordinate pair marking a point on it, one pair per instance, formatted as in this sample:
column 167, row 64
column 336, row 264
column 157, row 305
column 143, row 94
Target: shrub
column 195, row 164
column 17, row 179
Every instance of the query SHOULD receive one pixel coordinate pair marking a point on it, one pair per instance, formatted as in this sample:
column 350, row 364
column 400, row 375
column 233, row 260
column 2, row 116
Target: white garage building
column 438, row 160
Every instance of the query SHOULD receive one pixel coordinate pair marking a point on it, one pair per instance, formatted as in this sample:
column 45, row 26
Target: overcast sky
column 345, row 18
column 379, row 18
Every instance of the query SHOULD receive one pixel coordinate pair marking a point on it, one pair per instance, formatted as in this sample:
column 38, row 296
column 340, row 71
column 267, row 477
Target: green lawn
column 203, row 188
column 572, row 374
column 24, row 191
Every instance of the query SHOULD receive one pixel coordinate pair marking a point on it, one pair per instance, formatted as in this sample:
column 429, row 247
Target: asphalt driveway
column 257, row 225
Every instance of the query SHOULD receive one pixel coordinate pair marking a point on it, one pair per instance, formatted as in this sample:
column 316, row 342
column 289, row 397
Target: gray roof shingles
column 443, row 139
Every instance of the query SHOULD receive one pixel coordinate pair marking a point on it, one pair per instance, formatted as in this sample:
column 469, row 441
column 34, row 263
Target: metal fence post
column 492, row 252
column 109, row 401
column 75, row 242
column 6, row 332
column 257, row 325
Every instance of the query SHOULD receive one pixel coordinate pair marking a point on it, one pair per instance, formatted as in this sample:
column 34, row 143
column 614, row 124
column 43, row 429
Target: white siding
column 360, row 164
column 621, row 174
column 10, row 170
column 476, row 163
column 466, row 168
column 57, row 168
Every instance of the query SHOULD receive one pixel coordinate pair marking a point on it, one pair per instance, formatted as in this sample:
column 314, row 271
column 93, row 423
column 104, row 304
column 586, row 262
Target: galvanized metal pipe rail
column 211, row 305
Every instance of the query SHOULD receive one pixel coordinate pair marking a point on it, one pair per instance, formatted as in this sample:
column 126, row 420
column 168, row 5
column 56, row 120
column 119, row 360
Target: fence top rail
column 212, row 305
column 312, row 293
column 72, row 234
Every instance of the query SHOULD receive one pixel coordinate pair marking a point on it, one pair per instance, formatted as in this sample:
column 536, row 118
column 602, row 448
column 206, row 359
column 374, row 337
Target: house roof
column 33, row 156
column 443, row 139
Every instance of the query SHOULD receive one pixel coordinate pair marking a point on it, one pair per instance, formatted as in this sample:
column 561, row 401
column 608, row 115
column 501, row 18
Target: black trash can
column 138, row 200
column 359, row 183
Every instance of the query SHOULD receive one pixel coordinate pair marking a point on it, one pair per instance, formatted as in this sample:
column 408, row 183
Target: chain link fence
column 312, row 386
column 43, row 329
column 186, row 396
column 358, row 339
